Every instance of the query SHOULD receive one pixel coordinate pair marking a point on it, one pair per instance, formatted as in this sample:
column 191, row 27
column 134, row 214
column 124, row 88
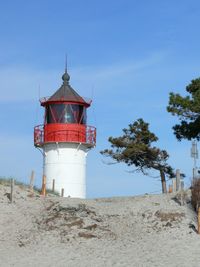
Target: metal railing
column 38, row 135
column 42, row 136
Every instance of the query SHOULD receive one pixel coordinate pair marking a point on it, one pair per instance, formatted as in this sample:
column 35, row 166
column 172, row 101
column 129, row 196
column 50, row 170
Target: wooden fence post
column 53, row 185
column 178, row 179
column 12, row 184
column 182, row 185
column 62, row 192
column 43, row 193
column 194, row 173
column 173, row 185
column 198, row 220
column 170, row 190
column 32, row 181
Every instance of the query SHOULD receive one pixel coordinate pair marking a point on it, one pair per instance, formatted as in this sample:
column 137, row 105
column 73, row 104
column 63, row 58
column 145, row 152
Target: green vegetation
column 6, row 181
column 48, row 191
column 188, row 111
column 195, row 192
column 135, row 147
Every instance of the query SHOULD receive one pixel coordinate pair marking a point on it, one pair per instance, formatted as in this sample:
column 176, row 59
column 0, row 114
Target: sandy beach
column 148, row 230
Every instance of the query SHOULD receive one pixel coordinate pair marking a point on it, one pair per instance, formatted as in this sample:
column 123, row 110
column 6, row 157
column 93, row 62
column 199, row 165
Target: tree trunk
column 163, row 182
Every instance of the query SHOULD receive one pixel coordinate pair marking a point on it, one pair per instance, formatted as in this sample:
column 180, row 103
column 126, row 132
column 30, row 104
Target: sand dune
column 149, row 230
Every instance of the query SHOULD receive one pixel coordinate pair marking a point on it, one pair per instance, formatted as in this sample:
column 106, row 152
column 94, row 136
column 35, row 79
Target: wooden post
column 182, row 198
column 170, row 190
column 178, row 179
column 199, row 220
column 182, row 185
column 12, row 184
column 163, row 181
column 194, row 174
column 62, row 192
column 182, row 191
column 173, row 185
column 32, row 181
column 43, row 193
column 53, row 185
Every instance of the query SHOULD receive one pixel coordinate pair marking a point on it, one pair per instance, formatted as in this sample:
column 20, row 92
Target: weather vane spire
column 66, row 63
column 65, row 76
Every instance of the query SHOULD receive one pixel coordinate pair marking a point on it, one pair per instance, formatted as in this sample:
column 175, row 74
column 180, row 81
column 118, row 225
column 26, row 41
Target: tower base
column 65, row 163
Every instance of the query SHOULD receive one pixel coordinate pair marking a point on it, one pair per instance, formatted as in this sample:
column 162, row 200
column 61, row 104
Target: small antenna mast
column 194, row 155
column 66, row 63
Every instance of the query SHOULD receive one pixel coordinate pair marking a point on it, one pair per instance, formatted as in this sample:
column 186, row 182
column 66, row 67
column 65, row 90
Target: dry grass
column 91, row 227
column 169, row 216
column 78, row 223
column 86, row 235
column 68, row 220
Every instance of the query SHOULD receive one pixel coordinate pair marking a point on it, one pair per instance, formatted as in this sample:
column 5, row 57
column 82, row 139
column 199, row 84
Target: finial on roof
column 66, row 76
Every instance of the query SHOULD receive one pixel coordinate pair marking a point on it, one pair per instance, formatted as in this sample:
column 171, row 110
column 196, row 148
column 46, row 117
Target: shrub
column 195, row 191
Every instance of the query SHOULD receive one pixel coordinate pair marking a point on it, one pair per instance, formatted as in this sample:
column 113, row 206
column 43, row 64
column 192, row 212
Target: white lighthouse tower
column 65, row 139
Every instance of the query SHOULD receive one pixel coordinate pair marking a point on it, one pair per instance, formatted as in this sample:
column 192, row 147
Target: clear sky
column 126, row 55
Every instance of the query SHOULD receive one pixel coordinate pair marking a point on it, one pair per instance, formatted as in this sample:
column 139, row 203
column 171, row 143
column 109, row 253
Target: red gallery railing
column 73, row 133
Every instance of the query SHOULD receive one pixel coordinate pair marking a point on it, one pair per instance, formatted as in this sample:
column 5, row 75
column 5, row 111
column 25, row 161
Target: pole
column 194, row 155
column 32, row 181
column 43, row 193
column 193, row 173
column 170, row 190
column 62, row 192
column 178, row 179
column 173, row 185
column 12, row 189
column 53, row 185
column 199, row 220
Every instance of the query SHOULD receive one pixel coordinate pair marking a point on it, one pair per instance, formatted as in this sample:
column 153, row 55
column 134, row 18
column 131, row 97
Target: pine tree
column 187, row 109
column 135, row 148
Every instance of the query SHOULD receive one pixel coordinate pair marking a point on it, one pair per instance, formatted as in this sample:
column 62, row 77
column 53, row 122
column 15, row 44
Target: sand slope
column 149, row 230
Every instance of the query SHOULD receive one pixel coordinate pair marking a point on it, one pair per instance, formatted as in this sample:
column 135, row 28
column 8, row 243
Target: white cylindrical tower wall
column 66, row 163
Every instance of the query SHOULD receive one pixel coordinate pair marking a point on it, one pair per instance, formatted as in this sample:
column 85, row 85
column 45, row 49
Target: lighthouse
column 65, row 139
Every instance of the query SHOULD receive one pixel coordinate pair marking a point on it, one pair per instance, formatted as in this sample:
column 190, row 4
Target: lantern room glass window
column 65, row 113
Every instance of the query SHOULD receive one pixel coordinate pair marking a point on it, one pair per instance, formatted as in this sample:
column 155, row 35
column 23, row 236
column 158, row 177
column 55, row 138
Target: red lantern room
column 65, row 118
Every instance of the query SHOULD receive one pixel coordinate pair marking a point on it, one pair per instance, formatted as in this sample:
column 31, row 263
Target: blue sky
column 125, row 55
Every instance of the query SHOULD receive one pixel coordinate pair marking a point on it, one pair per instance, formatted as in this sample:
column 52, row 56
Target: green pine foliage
column 187, row 109
column 135, row 148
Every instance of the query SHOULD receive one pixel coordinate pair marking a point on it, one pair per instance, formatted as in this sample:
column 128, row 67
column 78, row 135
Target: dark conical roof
column 67, row 93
